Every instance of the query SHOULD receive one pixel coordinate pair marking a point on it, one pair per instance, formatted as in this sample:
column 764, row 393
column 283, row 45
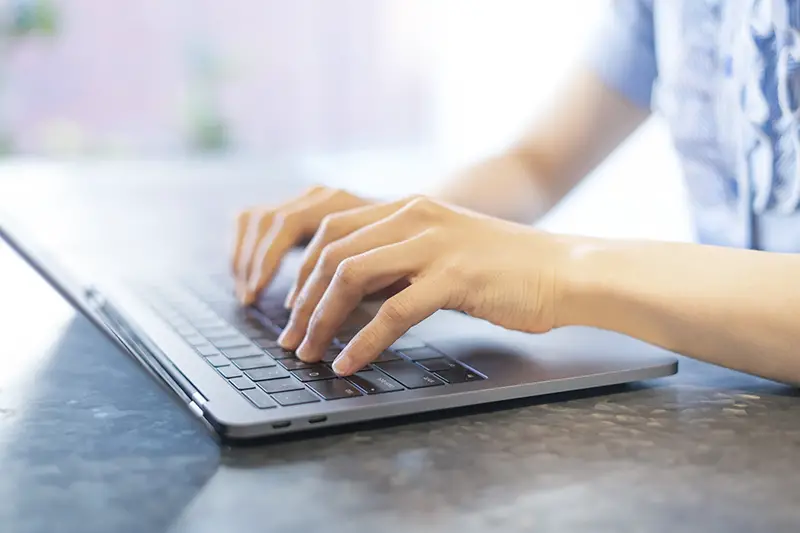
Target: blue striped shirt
column 725, row 75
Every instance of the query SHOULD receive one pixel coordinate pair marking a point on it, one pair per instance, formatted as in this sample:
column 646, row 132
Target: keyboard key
column 244, row 351
column 186, row 331
column 331, row 354
column 373, row 382
column 279, row 353
column 459, row 375
column 279, row 322
column 196, row 340
column 237, row 341
column 206, row 350
column 335, row 389
column 219, row 332
column 387, row 356
column 262, row 374
column 407, row 342
column 409, row 374
column 229, row 371
column 242, row 383
column 251, row 331
column 266, row 340
column 420, row 354
column 259, row 361
column 280, row 385
column 218, row 360
column 314, row 373
column 259, row 398
column 275, row 311
column 439, row 364
column 294, row 364
column 294, row 397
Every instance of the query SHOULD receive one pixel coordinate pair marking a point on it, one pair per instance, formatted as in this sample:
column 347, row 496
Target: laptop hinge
column 143, row 350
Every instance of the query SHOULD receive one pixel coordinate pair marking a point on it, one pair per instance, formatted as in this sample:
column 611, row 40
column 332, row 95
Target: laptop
column 223, row 362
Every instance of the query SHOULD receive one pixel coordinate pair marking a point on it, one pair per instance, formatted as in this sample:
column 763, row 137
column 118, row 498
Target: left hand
column 448, row 258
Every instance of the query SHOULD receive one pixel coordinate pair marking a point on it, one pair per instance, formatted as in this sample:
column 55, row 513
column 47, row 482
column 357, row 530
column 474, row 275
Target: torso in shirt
column 729, row 87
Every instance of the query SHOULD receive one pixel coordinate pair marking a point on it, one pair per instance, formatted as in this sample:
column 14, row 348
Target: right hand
column 265, row 235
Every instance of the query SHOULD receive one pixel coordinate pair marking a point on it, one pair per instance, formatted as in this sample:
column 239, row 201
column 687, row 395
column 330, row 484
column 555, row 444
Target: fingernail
column 290, row 298
column 341, row 365
column 302, row 352
column 288, row 339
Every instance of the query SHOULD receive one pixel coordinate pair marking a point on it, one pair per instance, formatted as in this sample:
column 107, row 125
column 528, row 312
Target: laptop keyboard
column 241, row 345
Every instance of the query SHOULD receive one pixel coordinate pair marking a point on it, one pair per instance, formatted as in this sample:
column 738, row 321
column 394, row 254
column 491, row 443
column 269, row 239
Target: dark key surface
column 280, row 353
column 459, row 375
column 439, row 364
column 314, row 373
column 407, row 342
column 266, row 339
column 294, row 364
column 331, row 355
column 335, row 389
column 229, row 371
column 218, row 360
column 280, row 385
column 243, row 351
column 236, row 341
column 242, row 383
column 259, row 361
column 261, row 374
column 419, row 354
column 259, row 398
column 206, row 350
column 279, row 322
column 374, row 382
column 387, row 356
column 294, row 397
column 409, row 374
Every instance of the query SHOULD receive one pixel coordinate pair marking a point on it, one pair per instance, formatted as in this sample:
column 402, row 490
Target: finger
column 259, row 226
column 288, row 228
column 387, row 231
column 356, row 277
column 397, row 315
column 333, row 228
column 242, row 223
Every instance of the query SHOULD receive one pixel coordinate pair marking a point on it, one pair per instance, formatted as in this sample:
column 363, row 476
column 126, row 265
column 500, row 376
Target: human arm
column 734, row 308
column 731, row 307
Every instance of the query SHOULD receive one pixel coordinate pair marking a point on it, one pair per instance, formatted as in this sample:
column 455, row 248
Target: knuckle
column 347, row 273
column 393, row 312
column 424, row 207
column 329, row 260
column 314, row 189
column 330, row 225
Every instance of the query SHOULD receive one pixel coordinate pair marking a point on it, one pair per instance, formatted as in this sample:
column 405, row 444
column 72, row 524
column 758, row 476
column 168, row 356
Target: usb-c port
column 281, row 425
column 317, row 419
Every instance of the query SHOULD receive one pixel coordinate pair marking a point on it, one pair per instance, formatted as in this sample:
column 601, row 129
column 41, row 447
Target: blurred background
column 398, row 92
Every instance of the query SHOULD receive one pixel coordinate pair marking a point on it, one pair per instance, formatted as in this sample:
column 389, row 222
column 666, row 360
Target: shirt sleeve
column 622, row 52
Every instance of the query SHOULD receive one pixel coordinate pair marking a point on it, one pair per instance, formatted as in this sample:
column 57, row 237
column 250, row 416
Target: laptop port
column 281, row 425
column 317, row 419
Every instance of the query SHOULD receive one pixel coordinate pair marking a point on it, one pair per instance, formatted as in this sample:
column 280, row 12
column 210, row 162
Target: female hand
column 265, row 235
column 448, row 258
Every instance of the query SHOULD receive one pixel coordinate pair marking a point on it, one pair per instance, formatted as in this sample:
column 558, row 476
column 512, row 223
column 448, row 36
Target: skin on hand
column 442, row 257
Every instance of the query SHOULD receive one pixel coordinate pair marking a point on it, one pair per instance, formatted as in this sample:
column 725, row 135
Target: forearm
column 735, row 308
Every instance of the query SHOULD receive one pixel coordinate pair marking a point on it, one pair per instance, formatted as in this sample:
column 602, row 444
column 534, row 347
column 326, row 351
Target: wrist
column 586, row 283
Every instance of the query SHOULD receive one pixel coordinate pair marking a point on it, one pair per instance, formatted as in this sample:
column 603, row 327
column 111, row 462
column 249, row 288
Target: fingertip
column 343, row 365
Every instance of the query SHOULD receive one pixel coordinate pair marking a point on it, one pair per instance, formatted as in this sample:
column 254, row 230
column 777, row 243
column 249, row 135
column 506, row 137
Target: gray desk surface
column 90, row 443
